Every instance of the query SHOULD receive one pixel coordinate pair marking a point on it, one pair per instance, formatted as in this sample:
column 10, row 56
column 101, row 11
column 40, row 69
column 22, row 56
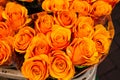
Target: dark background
column 109, row 69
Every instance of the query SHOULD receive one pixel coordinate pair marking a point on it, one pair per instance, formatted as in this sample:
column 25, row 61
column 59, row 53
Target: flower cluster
column 66, row 34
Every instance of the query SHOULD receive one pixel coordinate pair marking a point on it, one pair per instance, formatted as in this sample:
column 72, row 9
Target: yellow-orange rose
column 5, row 52
column 15, row 15
column 83, row 27
column 36, row 68
column 65, row 18
column 4, row 30
column 83, row 30
column 85, row 19
column 55, row 5
column 101, row 8
column 83, row 51
column 101, row 37
column 44, row 23
column 61, row 66
column 46, row 5
column 59, row 37
column 37, row 46
column 82, row 7
column 23, row 38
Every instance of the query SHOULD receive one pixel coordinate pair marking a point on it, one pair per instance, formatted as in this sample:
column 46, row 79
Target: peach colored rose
column 59, row 37
column 84, row 27
column 83, row 51
column 55, row 5
column 36, row 68
column 37, row 46
column 5, row 52
column 65, row 18
column 15, row 15
column 101, row 8
column 44, row 23
column 82, row 7
column 61, row 66
column 101, row 37
column 23, row 38
column 4, row 30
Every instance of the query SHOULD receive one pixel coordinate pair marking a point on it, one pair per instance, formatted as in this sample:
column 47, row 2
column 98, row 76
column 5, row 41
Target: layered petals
column 83, row 52
column 44, row 23
column 15, row 15
column 23, row 38
column 36, row 68
column 82, row 7
column 61, row 66
column 66, row 19
column 38, row 45
column 101, row 8
column 59, row 37
column 101, row 38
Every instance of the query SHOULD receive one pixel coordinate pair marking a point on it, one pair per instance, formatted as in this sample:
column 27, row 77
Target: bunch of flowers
column 65, row 35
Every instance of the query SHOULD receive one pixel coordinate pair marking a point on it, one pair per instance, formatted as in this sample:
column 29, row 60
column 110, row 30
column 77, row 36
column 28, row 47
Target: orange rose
column 55, row 5
column 46, row 5
column 36, row 68
column 5, row 52
column 23, row 38
column 59, row 5
column 60, row 65
column 85, row 19
column 44, row 23
column 37, row 46
column 59, row 37
column 4, row 30
column 83, row 51
column 101, row 8
column 83, row 30
column 15, row 15
column 65, row 18
column 101, row 37
column 112, row 2
column 82, row 7
column 84, row 27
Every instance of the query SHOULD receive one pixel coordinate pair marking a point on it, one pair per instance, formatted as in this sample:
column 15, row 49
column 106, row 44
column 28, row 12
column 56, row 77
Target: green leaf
column 81, row 66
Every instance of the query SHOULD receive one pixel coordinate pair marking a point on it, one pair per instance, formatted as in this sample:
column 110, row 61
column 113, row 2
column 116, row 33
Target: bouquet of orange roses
column 65, row 35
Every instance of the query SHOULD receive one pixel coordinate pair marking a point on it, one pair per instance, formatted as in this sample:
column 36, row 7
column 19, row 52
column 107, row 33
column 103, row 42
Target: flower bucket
column 88, row 75
column 55, row 40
